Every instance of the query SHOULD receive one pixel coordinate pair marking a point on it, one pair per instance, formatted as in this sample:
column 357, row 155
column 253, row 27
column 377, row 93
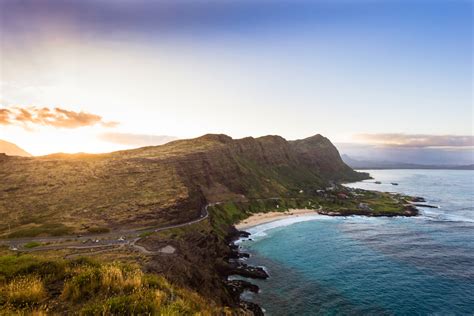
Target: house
column 364, row 206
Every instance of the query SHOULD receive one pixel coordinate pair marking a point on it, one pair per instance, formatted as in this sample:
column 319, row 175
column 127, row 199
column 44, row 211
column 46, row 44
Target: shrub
column 115, row 278
column 139, row 303
column 107, row 279
column 85, row 283
column 98, row 230
column 25, row 291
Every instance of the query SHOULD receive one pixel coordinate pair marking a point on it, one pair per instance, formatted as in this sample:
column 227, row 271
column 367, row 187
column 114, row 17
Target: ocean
column 424, row 265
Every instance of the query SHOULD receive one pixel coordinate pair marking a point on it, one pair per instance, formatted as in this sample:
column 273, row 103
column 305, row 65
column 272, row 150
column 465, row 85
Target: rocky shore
column 237, row 267
column 410, row 210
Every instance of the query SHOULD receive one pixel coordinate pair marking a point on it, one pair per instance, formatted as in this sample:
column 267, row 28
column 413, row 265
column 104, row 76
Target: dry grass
column 24, row 291
column 34, row 286
column 51, row 196
column 114, row 278
column 126, row 290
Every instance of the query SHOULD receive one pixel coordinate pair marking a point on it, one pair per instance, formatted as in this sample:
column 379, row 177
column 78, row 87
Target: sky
column 103, row 75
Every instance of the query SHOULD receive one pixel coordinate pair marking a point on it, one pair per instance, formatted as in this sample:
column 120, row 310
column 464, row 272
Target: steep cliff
column 152, row 186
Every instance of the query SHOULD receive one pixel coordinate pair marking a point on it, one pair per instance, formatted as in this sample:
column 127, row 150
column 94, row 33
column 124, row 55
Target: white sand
column 261, row 218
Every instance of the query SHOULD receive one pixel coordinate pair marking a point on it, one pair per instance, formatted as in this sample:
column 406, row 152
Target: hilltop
column 12, row 149
column 152, row 186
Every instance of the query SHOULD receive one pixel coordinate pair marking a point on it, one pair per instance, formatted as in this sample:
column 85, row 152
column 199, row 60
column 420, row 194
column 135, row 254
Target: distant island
column 377, row 164
column 151, row 229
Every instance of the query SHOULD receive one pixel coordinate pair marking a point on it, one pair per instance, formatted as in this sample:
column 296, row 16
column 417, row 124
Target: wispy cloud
column 4, row 117
column 417, row 140
column 55, row 117
column 137, row 140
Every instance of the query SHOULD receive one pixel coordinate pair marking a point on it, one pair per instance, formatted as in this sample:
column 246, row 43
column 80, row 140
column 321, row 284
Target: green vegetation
column 50, row 229
column 145, row 234
column 31, row 244
column 30, row 284
column 341, row 201
column 156, row 186
column 98, row 230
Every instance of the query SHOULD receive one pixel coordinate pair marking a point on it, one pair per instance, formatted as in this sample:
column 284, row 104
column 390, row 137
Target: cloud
column 4, row 117
column 418, row 140
column 136, row 140
column 56, row 117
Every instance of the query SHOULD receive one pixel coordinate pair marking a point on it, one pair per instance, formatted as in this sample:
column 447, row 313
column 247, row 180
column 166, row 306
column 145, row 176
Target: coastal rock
column 425, row 205
column 410, row 210
column 245, row 270
column 243, row 234
column 416, row 199
column 239, row 255
column 237, row 287
column 252, row 307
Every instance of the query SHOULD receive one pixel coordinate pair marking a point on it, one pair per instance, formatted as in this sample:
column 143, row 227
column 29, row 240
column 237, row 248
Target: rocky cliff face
column 319, row 154
column 159, row 185
column 262, row 167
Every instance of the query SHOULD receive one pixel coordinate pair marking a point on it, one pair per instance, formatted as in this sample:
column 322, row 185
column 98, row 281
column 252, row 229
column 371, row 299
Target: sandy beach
column 261, row 218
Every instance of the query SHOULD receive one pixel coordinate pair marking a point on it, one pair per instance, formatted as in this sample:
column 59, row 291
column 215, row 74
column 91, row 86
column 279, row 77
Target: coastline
column 263, row 218
column 239, row 267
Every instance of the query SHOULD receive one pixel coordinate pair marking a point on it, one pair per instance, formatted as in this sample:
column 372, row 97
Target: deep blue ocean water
column 424, row 265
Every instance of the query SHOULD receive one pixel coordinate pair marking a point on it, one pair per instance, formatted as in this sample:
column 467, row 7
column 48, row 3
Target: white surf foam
column 259, row 231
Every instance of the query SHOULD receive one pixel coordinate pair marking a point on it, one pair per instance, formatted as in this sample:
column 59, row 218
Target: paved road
column 101, row 242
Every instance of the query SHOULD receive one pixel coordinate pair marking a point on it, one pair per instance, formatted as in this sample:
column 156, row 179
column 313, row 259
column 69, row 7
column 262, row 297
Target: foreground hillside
column 152, row 186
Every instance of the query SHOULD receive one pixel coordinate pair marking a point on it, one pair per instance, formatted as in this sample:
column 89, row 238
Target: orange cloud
column 4, row 117
column 56, row 117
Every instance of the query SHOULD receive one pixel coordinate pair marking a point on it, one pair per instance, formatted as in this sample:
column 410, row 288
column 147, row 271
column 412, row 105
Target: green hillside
column 152, row 186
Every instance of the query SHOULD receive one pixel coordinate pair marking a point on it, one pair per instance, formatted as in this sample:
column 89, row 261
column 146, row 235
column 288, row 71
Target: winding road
column 99, row 242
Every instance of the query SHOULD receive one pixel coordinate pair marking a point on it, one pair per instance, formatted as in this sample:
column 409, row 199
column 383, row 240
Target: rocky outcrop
column 408, row 211
column 237, row 287
column 247, row 271
column 322, row 157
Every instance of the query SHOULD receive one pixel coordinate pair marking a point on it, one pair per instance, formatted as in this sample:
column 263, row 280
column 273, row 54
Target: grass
column 30, row 284
column 24, row 291
column 50, row 229
column 32, row 244
column 145, row 234
column 98, row 230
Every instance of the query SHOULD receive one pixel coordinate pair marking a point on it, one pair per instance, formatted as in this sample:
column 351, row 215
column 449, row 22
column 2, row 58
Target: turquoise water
column 374, row 266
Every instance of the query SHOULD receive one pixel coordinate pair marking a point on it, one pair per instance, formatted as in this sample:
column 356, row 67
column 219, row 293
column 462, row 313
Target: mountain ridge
column 158, row 185
column 11, row 149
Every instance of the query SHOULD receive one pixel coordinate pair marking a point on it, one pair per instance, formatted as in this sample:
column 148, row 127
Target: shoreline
column 263, row 218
